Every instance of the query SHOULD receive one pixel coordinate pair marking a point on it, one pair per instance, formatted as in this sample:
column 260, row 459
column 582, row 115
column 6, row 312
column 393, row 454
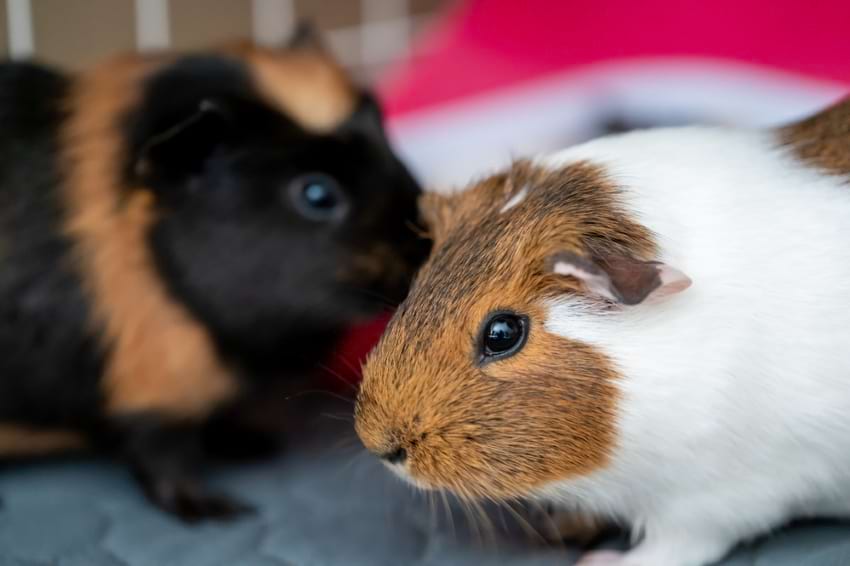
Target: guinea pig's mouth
column 398, row 462
column 402, row 471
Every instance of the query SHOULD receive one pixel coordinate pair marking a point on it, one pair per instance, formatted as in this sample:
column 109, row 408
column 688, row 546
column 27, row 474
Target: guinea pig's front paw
column 164, row 459
column 576, row 527
column 606, row 558
column 562, row 524
column 190, row 502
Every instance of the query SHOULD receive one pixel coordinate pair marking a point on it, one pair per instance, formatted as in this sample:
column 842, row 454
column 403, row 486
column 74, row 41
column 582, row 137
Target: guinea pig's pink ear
column 619, row 278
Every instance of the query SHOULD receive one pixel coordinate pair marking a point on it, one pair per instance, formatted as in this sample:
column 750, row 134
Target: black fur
column 279, row 303
column 274, row 288
column 167, row 459
column 49, row 365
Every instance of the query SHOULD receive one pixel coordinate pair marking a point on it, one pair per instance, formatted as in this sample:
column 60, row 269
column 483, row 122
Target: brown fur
column 823, row 140
column 17, row 441
column 501, row 428
column 159, row 357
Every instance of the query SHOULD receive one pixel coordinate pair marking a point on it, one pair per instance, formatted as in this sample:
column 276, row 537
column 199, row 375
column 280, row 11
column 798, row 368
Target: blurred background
column 367, row 35
column 469, row 84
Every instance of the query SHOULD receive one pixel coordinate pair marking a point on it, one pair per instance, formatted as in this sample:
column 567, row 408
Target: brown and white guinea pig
column 651, row 328
column 176, row 232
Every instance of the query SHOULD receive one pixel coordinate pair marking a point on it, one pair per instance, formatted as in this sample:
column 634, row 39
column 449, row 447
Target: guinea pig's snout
column 383, row 439
column 395, row 456
column 389, row 446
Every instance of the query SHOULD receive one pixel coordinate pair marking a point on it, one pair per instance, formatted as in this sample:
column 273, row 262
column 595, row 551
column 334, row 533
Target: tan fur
column 500, row 429
column 159, row 358
column 306, row 84
column 18, row 440
column 823, row 140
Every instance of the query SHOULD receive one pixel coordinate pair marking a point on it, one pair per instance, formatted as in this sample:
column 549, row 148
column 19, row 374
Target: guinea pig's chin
column 401, row 470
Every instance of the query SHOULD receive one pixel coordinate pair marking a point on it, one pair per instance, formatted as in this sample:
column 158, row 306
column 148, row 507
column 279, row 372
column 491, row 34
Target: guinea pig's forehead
column 501, row 231
column 472, row 260
column 457, row 289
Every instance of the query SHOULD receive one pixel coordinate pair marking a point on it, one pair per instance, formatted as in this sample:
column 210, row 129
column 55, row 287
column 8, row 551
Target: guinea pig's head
column 280, row 208
column 469, row 389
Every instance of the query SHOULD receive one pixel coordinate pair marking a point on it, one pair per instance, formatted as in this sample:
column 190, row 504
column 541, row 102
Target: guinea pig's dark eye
column 318, row 197
column 503, row 335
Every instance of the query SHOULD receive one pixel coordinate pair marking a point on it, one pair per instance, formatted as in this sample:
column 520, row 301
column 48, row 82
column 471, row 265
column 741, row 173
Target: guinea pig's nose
column 397, row 456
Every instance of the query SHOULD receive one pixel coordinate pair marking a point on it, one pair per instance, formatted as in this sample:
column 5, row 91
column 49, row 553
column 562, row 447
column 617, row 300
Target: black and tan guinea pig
column 650, row 328
column 176, row 232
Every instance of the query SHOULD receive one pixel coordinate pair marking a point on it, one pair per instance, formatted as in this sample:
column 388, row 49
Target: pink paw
column 602, row 558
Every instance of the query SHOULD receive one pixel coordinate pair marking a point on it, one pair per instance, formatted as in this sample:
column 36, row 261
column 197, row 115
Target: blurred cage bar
column 366, row 35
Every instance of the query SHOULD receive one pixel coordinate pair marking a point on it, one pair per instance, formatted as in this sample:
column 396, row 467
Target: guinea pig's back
column 31, row 114
column 42, row 306
column 734, row 209
column 30, row 102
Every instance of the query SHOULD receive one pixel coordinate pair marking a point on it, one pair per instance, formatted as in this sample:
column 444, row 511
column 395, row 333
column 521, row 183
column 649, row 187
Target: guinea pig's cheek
column 557, row 407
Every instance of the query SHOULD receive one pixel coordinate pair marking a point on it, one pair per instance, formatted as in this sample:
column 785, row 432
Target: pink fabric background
column 488, row 44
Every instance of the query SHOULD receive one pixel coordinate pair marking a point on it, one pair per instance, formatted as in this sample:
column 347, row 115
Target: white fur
column 515, row 200
column 402, row 471
column 598, row 283
column 735, row 407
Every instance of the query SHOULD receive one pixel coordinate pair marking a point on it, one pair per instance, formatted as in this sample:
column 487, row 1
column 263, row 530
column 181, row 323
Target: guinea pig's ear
column 306, row 36
column 179, row 150
column 436, row 210
column 619, row 278
column 367, row 119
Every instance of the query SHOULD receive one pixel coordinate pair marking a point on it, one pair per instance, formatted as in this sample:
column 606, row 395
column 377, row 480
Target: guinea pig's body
column 681, row 364
column 176, row 231
column 734, row 409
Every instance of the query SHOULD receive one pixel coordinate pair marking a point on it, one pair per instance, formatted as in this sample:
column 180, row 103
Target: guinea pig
column 649, row 328
column 177, row 232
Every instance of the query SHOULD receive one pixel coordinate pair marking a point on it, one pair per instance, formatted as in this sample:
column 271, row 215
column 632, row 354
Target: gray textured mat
column 324, row 503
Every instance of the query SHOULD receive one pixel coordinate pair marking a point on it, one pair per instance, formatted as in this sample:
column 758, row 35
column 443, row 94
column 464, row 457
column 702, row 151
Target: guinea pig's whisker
column 339, row 377
column 347, row 443
column 466, row 507
column 489, row 527
column 432, row 513
column 339, row 417
column 449, row 514
column 354, row 368
column 318, row 392
column 527, row 527
column 473, row 525
column 347, row 468
column 502, row 521
column 385, row 301
column 550, row 524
